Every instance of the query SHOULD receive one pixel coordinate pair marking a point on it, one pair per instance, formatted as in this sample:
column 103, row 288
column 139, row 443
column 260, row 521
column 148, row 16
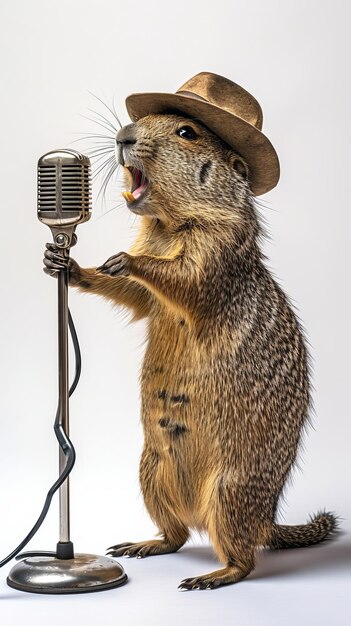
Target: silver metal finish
column 63, row 416
column 61, row 240
column 64, row 192
column 64, row 200
column 84, row 573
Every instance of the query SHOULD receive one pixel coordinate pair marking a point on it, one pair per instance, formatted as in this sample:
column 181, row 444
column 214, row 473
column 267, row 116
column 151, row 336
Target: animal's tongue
column 131, row 196
column 141, row 184
column 137, row 192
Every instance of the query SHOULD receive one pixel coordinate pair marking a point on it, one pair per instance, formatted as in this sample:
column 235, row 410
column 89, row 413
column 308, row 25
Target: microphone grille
column 64, row 183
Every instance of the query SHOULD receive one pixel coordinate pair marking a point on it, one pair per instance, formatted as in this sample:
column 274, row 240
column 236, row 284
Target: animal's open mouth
column 138, row 184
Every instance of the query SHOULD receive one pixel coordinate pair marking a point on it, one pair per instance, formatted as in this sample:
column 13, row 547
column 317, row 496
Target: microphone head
column 64, row 189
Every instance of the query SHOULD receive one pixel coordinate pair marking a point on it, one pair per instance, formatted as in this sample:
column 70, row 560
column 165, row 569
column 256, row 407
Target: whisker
column 114, row 111
column 116, row 206
column 111, row 169
column 91, row 136
column 102, row 144
column 111, row 165
column 99, row 163
column 101, row 149
column 107, row 107
column 105, row 182
column 91, row 119
column 97, row 160
column 95, row 156
column 97, row 145
column 105, row 167
column 107, row 121
column 102, row 167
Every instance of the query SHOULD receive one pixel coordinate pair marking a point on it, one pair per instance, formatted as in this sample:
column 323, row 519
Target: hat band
column 191, row 94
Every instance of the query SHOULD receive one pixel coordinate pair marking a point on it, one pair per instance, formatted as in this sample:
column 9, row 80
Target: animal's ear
column 238, row 164
column 240, row 167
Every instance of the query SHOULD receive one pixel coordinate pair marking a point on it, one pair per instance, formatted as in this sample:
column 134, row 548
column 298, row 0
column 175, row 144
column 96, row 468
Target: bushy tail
column 321, row 527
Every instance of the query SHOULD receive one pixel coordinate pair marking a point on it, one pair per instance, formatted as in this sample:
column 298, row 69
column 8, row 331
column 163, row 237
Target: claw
column 192, row 583
column 120, row 545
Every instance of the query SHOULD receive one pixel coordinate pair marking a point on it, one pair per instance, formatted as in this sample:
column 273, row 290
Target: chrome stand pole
column 63, row 399
column 66, row 572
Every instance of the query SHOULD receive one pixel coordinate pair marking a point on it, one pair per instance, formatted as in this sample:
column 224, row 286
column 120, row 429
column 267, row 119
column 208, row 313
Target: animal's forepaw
column 55, row 261
column 118, row 265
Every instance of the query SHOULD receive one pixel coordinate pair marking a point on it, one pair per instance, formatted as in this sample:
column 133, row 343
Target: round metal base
column 84, row 573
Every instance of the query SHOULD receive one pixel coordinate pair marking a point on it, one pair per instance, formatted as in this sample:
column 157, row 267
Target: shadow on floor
column 332, row 557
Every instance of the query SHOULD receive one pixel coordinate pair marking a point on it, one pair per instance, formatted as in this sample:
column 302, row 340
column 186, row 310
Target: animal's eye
column 186, row 132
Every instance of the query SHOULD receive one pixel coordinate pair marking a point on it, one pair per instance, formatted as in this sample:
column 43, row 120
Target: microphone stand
column 63, row 571
column 63, row 400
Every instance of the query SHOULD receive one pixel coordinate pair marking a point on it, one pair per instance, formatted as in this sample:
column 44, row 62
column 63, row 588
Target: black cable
column 68, row 450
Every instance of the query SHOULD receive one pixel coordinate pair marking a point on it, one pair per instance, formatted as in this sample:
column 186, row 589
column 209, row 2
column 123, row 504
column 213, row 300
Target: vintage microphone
column 64, row 200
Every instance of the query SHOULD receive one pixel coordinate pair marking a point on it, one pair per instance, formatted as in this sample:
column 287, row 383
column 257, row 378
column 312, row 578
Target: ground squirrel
column 225, row 378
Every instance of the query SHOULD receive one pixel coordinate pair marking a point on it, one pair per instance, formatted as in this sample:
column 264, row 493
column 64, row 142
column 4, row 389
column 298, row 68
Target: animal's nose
column 126, row 135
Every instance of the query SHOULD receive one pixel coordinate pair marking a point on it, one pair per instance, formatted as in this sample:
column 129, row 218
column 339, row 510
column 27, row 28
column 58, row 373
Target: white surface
column 292, row 56
column 286, row 588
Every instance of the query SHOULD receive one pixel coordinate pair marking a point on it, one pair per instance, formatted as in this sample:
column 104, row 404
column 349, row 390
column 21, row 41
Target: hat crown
column 226, row 94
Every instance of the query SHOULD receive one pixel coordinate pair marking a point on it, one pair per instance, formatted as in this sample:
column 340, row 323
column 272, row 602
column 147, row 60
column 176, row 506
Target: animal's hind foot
column 225, row 576
column 142, row 549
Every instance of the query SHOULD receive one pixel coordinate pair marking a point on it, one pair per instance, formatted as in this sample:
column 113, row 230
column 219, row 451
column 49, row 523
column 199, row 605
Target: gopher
column 225, row 379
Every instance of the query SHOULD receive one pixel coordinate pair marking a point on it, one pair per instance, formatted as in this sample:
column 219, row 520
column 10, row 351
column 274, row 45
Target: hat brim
column 248, row 141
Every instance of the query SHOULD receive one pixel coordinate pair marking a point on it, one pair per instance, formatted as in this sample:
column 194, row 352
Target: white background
column 292, row 56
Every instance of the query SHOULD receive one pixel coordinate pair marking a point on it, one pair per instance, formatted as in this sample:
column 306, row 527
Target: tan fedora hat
column 226, row 109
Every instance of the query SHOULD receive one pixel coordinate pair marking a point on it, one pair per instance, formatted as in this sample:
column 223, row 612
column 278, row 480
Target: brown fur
column 225, row 379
